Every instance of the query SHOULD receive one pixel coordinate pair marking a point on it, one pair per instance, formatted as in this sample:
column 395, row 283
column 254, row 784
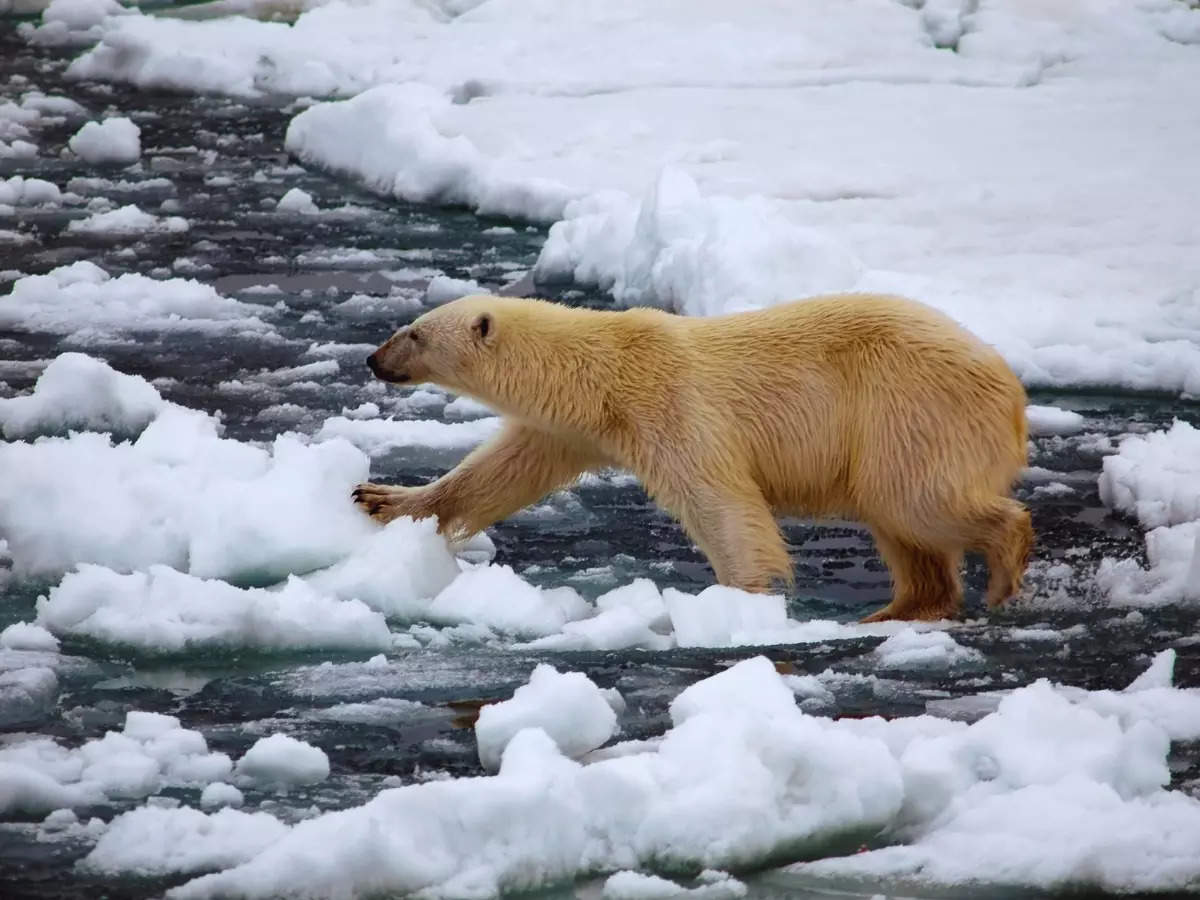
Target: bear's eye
column 414, row 336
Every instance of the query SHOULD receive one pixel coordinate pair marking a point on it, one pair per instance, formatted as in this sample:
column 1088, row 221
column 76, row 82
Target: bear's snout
column 378, row 370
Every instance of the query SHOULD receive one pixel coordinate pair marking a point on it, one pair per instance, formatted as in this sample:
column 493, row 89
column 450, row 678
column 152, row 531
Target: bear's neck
column 576, row 371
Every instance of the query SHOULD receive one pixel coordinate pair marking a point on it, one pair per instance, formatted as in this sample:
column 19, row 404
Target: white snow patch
column 616, row 121
column 728, row 786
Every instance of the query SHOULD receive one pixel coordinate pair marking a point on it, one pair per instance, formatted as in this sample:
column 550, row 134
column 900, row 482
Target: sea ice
column 115, row 140
column 566, row 706
column 282, row 762
column 76, row 392
column 152, row 751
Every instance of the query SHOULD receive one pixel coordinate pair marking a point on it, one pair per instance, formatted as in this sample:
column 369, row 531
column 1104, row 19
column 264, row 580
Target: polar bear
column 865, row 407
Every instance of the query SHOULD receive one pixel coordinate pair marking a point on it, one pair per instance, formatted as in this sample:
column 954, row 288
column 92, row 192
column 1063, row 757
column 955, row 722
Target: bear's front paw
column 382, row 502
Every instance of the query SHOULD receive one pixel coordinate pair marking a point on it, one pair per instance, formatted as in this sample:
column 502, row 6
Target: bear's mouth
column 383, row 375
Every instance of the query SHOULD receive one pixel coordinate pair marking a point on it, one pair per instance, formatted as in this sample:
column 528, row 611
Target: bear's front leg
column 385, row 502
column 734, row 527
column 517, row 467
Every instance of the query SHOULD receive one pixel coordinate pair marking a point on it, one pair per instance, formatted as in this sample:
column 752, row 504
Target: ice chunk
column 153, row 841
column 1045, row 420
column 282, row 762
column 115, row 140
column 26, row 696
column 24, row 636
column 721, row 617
column 393, row 138
column 165, row 611
column 77, row 392
column 297, row 201
column 38, row 775
column 695, row 254
column 567, row 706
column 20, row 191
column 1156, row 477
column 397, row 571
column 378, row 436
column 497, row 597
column 177, row 496
column 82, row 299
column 127, row 219
column 923, row 649
column 220, row 794
column 732, row 786
column 443, row 289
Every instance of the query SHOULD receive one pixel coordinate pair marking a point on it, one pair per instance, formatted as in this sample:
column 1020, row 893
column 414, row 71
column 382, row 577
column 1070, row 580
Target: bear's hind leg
column 926, row 584
column 1002, row 530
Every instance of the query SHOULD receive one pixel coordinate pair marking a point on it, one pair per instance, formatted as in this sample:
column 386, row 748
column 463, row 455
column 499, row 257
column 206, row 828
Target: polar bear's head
column 455, row 346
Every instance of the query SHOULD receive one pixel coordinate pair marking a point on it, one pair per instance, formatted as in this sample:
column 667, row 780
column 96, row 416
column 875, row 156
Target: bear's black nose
column 373, row 363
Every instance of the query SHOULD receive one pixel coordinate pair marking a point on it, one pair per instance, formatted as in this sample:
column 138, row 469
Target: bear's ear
column 484, row 328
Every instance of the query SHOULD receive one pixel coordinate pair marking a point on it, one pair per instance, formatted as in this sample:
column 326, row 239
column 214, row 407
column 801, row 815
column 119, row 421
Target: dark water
column 222, row 162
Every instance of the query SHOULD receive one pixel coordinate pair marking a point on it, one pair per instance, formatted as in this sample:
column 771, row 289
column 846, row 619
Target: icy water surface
column 345, row 278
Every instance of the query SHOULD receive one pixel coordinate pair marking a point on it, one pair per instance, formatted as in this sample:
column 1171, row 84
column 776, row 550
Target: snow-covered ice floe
column 1155, row 478
column 1056, row 788
column 152, row 751
column 175, row 495
column 82, row 301
column 1042, row 201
